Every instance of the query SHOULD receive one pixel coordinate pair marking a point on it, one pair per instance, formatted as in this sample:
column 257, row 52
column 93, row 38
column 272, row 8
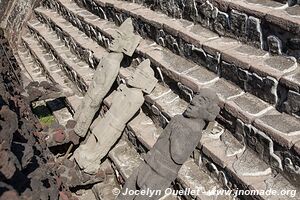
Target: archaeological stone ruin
column 150, row 99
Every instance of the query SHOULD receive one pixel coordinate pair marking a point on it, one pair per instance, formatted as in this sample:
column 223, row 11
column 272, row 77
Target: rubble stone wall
column 25, row 169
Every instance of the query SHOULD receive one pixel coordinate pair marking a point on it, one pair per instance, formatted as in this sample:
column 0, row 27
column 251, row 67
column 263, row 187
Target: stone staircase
column 245, row 50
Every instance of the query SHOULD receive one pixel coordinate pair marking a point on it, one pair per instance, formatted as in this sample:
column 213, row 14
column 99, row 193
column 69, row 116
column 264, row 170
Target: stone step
column 252, row 69
column 235, row 103
column 270, row 24
column 50, row 65
column 30, row 69
column 78, row 70
column 190, row 175
column 81, row 44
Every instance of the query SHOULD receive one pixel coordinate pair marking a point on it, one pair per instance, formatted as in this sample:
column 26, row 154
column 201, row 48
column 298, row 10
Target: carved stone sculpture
column 124, row 42
column 173, row 147
column 104, row 78
column 124, row 39
column 126, row 101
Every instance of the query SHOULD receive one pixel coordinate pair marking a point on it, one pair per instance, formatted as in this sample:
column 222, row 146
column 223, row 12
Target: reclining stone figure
column 127, row 100
column 105, row 76
column 173, row 147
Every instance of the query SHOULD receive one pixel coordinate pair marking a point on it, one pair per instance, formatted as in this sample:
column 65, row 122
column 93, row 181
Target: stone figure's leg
column 152, row 182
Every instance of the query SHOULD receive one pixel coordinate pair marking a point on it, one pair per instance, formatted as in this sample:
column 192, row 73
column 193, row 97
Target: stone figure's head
column 124, row 39
column 203, row 106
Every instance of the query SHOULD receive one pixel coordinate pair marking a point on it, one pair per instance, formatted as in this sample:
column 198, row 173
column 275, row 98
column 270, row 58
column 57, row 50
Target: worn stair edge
column 230, row 160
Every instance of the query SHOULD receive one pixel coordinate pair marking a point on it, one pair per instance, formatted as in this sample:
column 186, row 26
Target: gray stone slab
column 281, row 127
column 247, row 107
column 125, row 158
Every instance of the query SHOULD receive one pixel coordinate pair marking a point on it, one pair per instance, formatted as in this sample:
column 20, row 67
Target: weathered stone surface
column 104, row 190
column 247, row 107
column 243, row 56
column 113, row 123
column 171, row 65
column 284, row 20
column 197, row 78
column 278, row 184
column 225, row 90
column 196, row 34
column 219, row 45
column 254, row 31
column 274, row 44
column 170, row 104
column 125, row 40
column 282, row 128
column 238, row 23
column 291, row 105
column 144, row 129
column 222, row 23
column 80, row 75
column 85, row 194
column 245, row 165
column 284, row 64
column 190, row 176
column 143, row 77
column 159, row 91
column 126, row 158
column 263, row 87
column 292, row 80
column 205, row 13
column 217, row 150
column 297, row 147
column 104, row 77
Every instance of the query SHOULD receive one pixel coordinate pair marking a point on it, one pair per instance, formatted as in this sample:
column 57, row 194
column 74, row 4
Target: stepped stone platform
column 248, row 115
column 246, row 51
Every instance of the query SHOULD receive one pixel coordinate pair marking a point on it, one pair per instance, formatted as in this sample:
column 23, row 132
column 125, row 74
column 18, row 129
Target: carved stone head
column 124, row 39
column 203, row 106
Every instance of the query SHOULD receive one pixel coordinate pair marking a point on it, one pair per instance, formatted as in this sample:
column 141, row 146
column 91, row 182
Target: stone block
column 274, row 44
column 263, row 87
column 222, row 24
column 254, row 32
column 238, row 24
column 291, row 105
column 225, row 90
column 198, row 78
column 125, row 158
